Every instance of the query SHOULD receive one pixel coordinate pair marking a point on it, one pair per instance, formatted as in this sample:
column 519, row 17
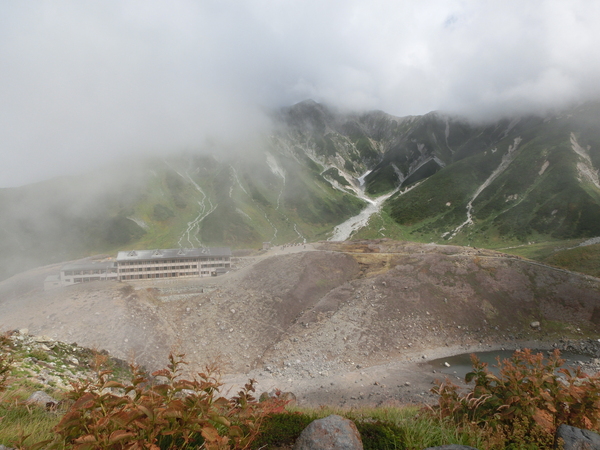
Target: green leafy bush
column 526, row 402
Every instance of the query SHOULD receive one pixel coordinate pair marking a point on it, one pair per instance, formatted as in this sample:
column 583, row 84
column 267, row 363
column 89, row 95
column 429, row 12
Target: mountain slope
column 494, row 185
column 537, row 182
column 185, row 200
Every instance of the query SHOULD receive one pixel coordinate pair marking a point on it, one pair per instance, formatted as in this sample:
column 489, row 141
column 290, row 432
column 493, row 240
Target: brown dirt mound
column 304, row 318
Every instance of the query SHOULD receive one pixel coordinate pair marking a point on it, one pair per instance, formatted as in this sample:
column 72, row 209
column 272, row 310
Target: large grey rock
column 576, row 438
column 331, row 433
column 42, row 399
column 451, row 447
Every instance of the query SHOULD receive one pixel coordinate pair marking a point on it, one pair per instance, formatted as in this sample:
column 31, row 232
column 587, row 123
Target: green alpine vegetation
column 515, row 182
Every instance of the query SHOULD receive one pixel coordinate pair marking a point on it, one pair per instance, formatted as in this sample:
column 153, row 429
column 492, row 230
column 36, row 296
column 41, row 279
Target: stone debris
column 53, row 364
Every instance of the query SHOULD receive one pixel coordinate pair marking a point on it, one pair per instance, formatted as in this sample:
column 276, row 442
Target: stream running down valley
column 345, row 230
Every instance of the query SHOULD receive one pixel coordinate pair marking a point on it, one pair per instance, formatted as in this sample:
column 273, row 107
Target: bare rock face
column 331, row 433
column 577, row 439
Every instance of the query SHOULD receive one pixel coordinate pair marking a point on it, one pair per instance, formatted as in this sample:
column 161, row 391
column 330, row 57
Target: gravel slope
column 337, row 323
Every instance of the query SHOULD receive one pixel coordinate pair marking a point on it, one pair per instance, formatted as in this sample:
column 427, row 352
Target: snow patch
column 544, row 167
column 139, row 223
column 439, row 162
column 274, row 166
column 399, row 173
column 361, row 179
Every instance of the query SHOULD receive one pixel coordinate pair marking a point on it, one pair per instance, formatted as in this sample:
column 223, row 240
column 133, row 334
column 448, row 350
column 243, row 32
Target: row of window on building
column 152, row 264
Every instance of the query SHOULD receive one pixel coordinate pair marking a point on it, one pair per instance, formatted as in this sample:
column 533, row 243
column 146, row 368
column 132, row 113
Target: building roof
column 100, row 265
column 160, row 254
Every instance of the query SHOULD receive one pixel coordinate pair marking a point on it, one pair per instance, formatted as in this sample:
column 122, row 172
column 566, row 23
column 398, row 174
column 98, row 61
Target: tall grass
column 387, row 427
column 18, row 420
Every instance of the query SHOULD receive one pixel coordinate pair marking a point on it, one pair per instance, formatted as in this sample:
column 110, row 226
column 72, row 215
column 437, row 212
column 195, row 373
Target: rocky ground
column 53, row 365
column 336, row 323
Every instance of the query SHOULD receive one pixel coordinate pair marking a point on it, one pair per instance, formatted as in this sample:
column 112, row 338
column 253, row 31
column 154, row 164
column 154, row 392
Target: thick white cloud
column 84, row 82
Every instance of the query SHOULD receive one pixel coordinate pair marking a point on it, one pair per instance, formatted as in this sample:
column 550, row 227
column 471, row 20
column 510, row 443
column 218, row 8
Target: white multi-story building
column 88, row 271
column 173, row 263
column 146, row 264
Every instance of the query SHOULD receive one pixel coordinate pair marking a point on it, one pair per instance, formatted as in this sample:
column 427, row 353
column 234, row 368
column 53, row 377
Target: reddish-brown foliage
column 528, row 400
column 173, row 413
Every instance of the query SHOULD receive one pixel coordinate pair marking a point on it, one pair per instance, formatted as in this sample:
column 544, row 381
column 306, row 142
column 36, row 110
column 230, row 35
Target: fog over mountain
column 82, row 83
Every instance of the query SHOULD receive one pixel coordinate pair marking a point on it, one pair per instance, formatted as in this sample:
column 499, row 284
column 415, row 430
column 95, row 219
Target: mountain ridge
column 317, row 168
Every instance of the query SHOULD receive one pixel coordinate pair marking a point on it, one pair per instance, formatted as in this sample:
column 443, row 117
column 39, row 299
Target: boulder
column 331, row 433
column 576, row 438
column 42, row 399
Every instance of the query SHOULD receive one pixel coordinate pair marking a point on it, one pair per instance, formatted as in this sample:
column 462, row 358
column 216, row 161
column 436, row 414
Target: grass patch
column 19, row 420
column 392, row 427
column 581, row 259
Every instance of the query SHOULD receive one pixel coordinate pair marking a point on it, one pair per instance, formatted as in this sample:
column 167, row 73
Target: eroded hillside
column 333, row 304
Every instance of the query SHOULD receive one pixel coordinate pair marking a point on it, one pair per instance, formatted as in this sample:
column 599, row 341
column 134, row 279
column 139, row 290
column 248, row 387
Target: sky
column 83, row 83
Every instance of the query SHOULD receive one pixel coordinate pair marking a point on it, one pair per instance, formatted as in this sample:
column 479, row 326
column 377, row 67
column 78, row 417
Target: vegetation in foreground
column 520, row 408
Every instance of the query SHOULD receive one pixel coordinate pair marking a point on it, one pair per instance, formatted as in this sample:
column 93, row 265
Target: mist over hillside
column 509, row 182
